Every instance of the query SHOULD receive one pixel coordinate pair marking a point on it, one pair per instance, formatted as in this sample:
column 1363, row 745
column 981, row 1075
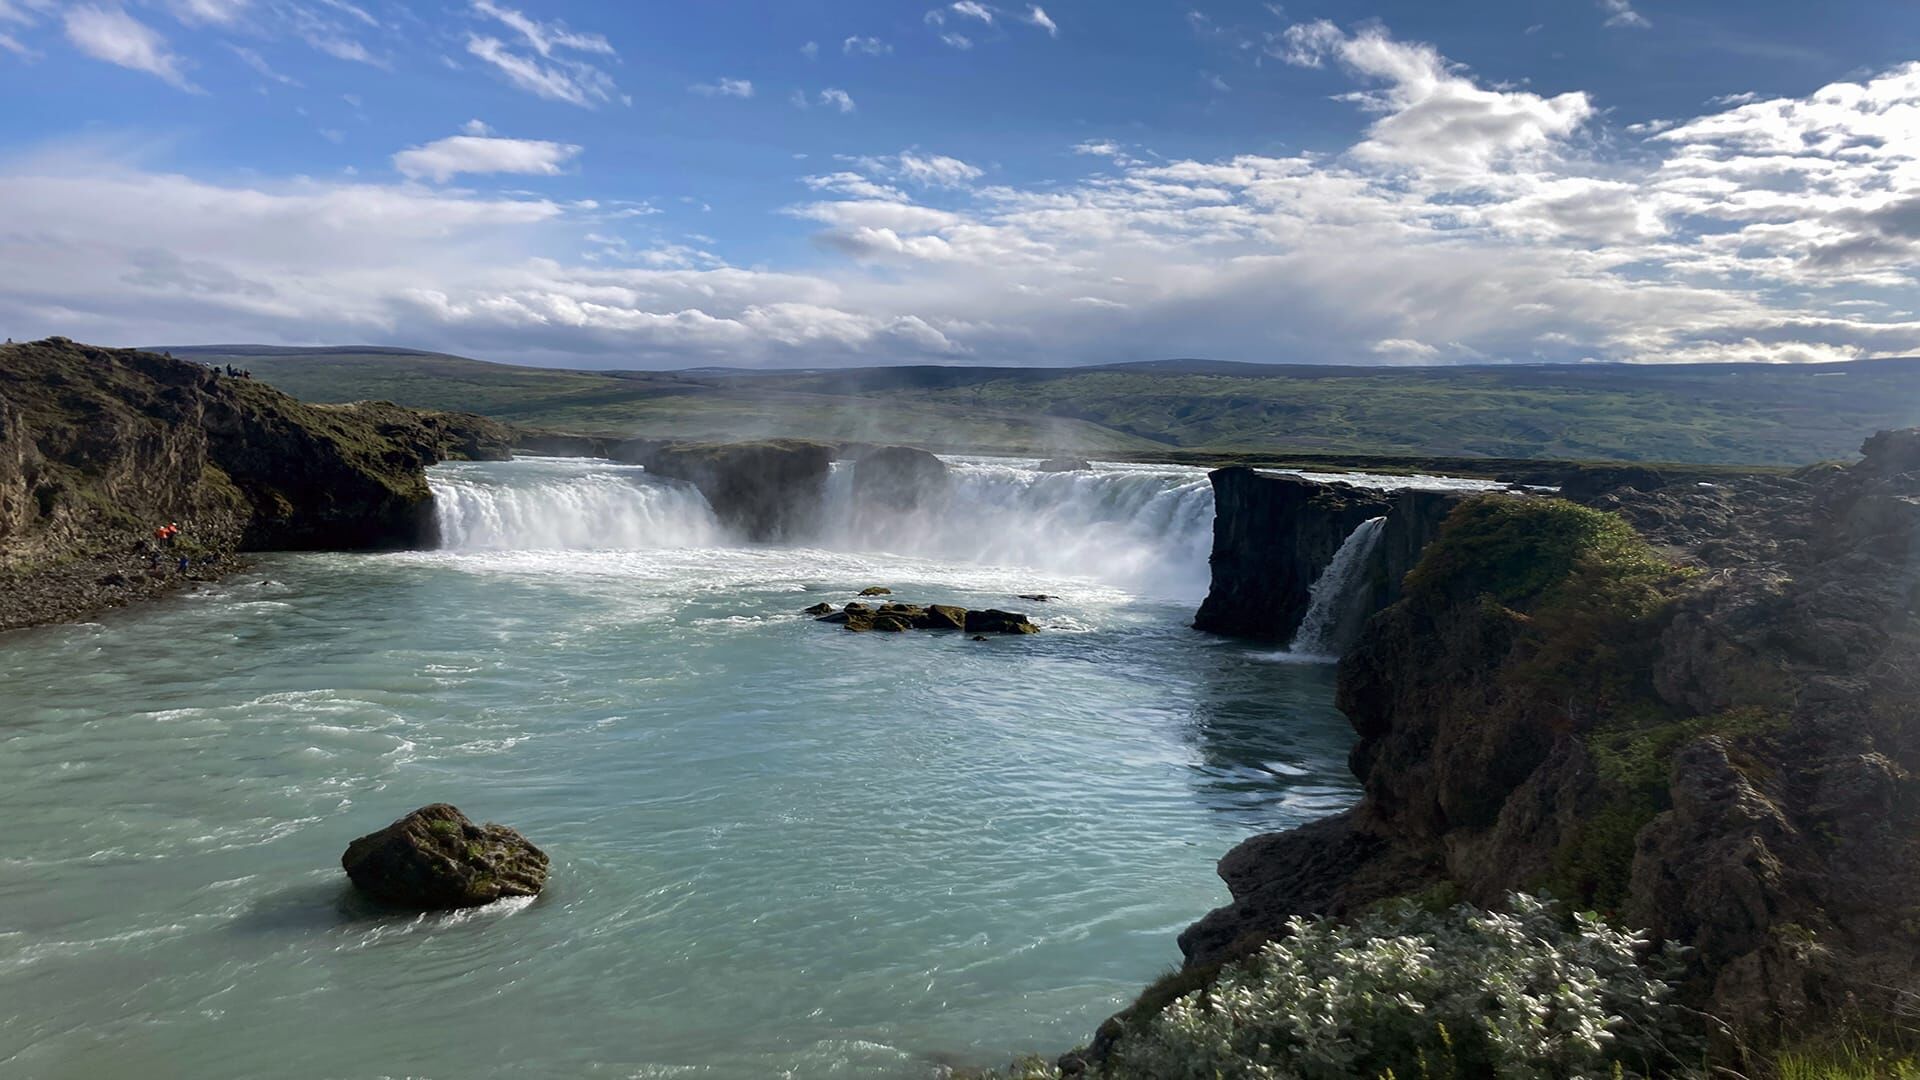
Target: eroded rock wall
column 1725, row 752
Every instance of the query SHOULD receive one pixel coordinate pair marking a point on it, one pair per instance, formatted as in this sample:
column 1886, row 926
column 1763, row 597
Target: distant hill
column 1706, row 413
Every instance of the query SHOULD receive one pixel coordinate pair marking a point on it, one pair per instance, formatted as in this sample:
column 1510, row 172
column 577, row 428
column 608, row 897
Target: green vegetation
column 1733, row 414
column 1407, row 993
column 1849, row 1058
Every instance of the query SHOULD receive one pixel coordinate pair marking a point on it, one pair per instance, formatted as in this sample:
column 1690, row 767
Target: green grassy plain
column 1724, row 414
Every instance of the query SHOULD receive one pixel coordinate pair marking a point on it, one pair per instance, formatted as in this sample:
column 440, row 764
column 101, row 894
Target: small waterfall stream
column 1332, row 593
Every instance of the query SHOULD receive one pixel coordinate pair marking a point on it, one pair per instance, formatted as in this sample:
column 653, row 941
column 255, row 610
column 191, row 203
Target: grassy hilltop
column 1731, row 413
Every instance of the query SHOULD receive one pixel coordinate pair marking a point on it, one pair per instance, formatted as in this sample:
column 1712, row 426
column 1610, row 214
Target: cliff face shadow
column 1272, row 749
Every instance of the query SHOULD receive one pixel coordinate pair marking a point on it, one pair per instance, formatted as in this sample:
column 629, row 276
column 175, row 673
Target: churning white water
column 1146, row 528
column 1333, row 591
column 567, row 504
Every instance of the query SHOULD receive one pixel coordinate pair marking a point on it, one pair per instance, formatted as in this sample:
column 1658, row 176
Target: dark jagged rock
column 942, row 617
column 1064, row 464
column 876, row 590
column 1729, row 757
column 767, row 490
column 900, row 478
column 435, row 858
column 1272, row 535
column 100, row 446
column 1038, row 598
column 995, row 621
column 894, row 617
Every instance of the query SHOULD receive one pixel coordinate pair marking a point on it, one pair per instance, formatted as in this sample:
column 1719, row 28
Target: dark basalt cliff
column 1274, row 533
column 99, row 446
column 1691, row 707
column 767, row 490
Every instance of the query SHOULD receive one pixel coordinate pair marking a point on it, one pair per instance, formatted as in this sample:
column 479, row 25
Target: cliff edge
column 98, row 447
column 1691, row 708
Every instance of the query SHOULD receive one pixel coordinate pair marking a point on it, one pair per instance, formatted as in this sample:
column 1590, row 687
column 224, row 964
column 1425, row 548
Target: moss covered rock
column 436, row 858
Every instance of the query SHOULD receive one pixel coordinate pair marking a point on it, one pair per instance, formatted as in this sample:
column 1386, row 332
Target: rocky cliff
column 99, row 446
column 767, row 490
column 1692, row 707
column 1275, row 533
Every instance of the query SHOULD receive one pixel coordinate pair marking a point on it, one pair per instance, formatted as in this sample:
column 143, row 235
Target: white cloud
column 1781, row 229
column 1038, row 17
column 219, row 12
column 811, row 50
column 11, row 44
column 1620, row 14
column 838, row 99
column 574, row 83
column 973, row 10
column 1431, row 115
column 116, row 37
column 545, row 38
column 724, row 87
column 260, row 66
column 867, row 46
column 927, row 170
column 958, row 41
column 477, row 152
column 548, row 70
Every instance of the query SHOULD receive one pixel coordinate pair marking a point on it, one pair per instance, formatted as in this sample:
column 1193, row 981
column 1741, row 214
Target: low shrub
column 1420, row 995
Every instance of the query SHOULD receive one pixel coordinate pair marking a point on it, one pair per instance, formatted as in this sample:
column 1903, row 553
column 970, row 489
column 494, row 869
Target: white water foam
column 1332, row 593
column 1144, row 528
column 566, row 504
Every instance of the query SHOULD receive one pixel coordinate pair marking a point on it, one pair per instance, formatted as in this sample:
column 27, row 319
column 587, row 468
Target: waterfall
column 1148, row 529
column 546, row 504
column 1332, row 592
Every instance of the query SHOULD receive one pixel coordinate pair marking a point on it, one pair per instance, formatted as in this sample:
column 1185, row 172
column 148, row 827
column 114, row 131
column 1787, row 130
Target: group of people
column 238, row 373
column 164, row 536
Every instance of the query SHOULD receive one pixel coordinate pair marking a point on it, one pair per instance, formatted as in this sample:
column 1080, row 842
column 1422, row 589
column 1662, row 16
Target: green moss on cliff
column 1519, row 550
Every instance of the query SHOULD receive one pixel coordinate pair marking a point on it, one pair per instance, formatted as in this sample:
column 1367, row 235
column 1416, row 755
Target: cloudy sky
column 780, row 182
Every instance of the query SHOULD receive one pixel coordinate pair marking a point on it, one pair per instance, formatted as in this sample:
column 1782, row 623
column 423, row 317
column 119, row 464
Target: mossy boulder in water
column 435, row 858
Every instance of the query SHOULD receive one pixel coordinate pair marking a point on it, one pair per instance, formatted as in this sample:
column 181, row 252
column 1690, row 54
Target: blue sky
column 812, row 182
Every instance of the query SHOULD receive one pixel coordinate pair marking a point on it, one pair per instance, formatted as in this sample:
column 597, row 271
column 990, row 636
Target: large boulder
column 900, row 478
column 435, row 858
column 767, row 490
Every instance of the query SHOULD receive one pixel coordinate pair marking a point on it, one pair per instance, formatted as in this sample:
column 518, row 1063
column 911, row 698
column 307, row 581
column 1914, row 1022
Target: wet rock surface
column 900, row 478
column 1272, row 535
column 767, row 490
column 435, row 858
column 898, row 617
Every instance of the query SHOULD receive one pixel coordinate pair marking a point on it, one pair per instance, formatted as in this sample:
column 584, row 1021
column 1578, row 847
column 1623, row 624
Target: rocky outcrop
column 99, row 446
column 1064, row 464
column 435, row 858
column 900, row 479
column 895, row 617
column 1724, row 751
column 1272, row 535
column 766, row 490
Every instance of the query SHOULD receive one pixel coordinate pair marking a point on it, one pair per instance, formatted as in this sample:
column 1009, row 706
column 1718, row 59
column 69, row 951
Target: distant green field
column 1730, row 414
